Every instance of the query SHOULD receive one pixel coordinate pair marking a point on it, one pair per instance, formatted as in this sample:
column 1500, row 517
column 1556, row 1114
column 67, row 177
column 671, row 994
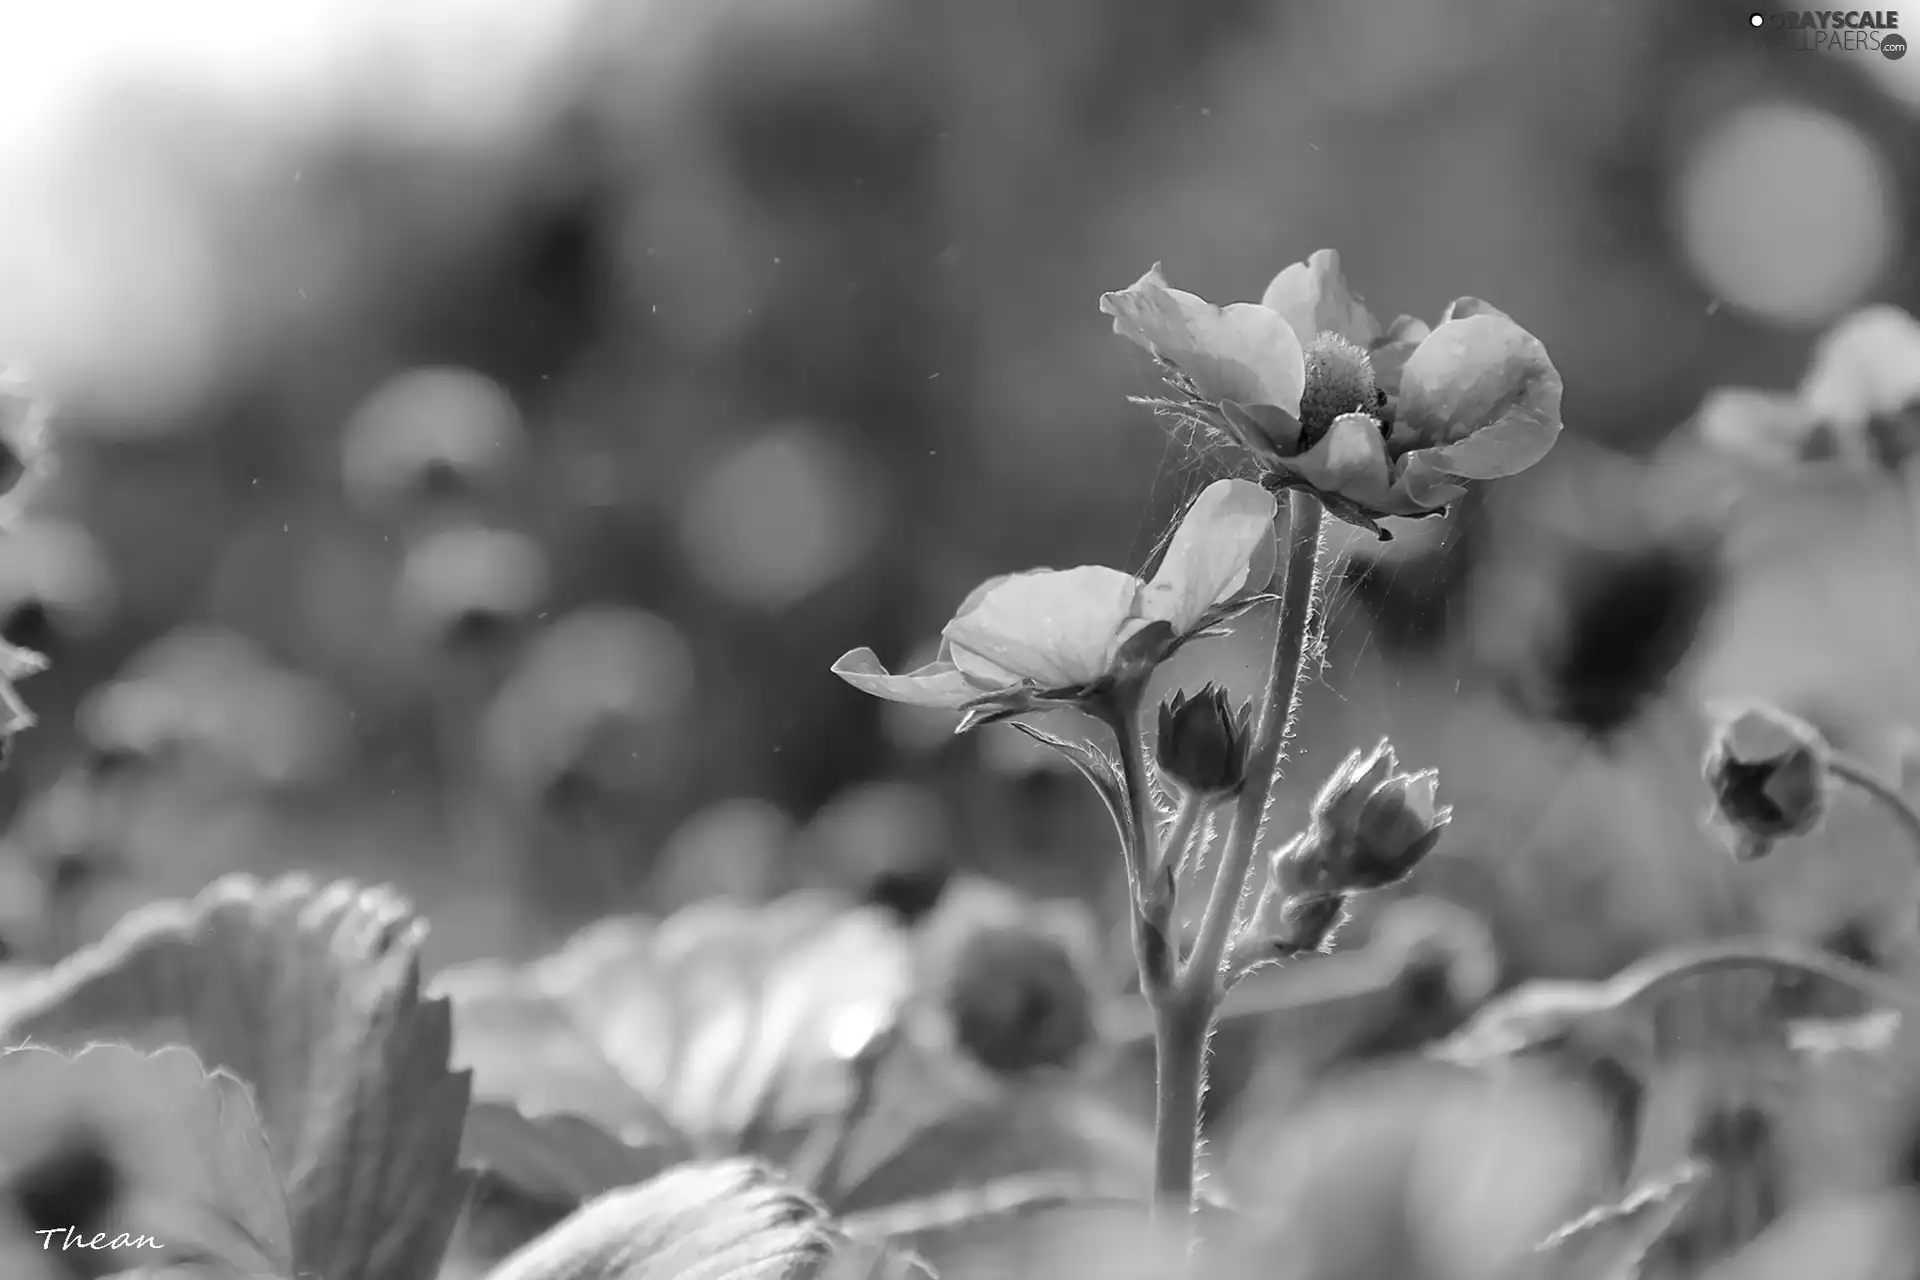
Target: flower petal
column 1761, row 426
column 1266, row 431
column 938, row 684
column 1313, row 297
column 1865, row 366
column 1462, row 308
column 1350, row 460
column 1419, row 487
column 1209, row 556
column 972, row 602
column 1483, row 397
column 1241, row 352
column 1395, row 347
column 1422, row 794
column 1057, row 629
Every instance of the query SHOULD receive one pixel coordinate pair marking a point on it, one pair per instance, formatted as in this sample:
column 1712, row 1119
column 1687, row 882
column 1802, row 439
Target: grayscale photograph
column 959, row 640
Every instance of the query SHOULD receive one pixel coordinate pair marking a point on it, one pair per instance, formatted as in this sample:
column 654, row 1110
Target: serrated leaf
column 312, row 995
column 562, row 1158
column 184, row 1160
column 925, row 1138
column 532, row 1172
column 730, row 1220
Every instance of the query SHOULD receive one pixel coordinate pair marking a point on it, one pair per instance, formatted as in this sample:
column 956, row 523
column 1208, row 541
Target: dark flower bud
column 1016, row 997
column 1372, row 825
column 1768, row 774
column 1202, row 743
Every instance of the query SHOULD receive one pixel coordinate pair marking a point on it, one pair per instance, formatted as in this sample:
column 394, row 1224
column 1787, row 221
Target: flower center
column 1339, row 381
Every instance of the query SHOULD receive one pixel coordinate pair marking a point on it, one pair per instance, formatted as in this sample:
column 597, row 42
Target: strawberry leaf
column 311, row 995
column 185, row 1174
column 532, row 1172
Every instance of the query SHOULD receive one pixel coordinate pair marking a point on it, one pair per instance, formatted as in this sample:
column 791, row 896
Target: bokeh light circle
column 1786, row 211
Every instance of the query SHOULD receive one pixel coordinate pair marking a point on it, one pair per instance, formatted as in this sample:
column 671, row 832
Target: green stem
column 1183, row 1021
column 1856, row 772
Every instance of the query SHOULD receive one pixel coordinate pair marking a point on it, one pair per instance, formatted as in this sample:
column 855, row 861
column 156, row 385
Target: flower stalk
column 1183, row 1018
column 1858, row 775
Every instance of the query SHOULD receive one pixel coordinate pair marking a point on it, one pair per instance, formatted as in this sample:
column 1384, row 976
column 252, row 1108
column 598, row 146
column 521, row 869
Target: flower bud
column 1372, row 825
column 1292, row 924
column 1202, row 743
column 1768, row 774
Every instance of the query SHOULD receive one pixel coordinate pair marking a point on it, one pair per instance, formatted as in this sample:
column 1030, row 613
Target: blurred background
column 481, row 424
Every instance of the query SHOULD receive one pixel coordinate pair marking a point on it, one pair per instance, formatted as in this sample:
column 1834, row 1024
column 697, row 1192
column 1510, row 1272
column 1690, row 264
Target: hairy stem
column 1850, row 770
column 1277, row 709
column 1152, row 899
column 1186, row 820
column 1183, row 1021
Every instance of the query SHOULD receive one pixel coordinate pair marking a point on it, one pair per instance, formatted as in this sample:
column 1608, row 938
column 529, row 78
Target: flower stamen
column 1339, row 380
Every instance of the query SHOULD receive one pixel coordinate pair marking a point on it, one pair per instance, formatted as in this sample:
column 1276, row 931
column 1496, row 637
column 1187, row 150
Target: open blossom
column 1858, row 406
column 1377, row 421
column 1050, row 635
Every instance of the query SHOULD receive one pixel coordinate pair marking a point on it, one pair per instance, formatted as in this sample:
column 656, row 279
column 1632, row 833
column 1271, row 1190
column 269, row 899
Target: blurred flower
column 1011, row 976
column 1768, row 774
column 779, row 518
column 1736, row 206
column 1016, row 999
column 1058, row 636
column 213, row 697
column 1371, row 826
column 594, row 701
column 465, row 585
column 1628, row 618
column 1377, row 422
column 736, row 850
column 1857, row 407
column 1202, row 742
column 889, row 843
column 429, row 434
column 53, row 582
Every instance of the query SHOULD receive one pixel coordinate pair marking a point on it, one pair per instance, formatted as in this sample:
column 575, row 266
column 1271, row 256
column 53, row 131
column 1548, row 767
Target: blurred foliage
column 544, row 439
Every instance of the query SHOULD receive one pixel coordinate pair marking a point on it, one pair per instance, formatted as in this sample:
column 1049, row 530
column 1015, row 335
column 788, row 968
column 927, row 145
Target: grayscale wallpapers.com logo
column 1831, row 30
